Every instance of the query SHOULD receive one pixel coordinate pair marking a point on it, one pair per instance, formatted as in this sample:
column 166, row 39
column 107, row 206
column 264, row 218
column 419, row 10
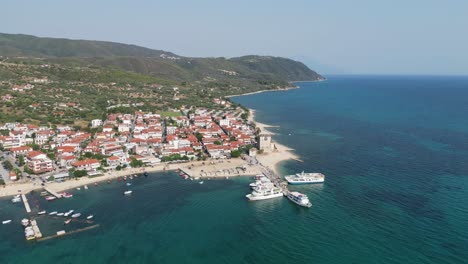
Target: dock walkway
column 54, row 193
column 69, row 233
column 26, row 203
column 37, row 232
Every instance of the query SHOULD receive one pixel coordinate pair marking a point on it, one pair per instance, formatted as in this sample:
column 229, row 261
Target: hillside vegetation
column 94, row 77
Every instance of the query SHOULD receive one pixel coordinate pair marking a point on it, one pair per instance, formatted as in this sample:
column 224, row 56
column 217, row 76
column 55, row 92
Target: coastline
column 277, row 90
column 195, row 169
column 273, row 159
column 262, row 91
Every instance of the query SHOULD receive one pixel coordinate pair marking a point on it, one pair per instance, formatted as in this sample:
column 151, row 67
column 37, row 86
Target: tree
column 27, row 169
column 236, row 153
column 199, row 136
column 7, row 165
column 232, row 138
column 217, row 142
column 136, row 163
column 21, row 160
column 34, row 146
column 79, row 173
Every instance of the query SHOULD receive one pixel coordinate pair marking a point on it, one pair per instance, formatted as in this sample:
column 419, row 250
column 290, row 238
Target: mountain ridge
column 156, row 63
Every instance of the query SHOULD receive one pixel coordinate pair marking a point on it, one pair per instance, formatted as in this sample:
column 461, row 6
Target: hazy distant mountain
column 156, row 63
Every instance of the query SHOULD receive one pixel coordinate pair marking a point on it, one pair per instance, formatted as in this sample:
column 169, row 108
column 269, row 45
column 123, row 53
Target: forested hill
column 246, row 70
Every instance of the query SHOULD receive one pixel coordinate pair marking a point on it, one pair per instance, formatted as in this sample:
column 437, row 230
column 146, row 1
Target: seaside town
column 123, row 141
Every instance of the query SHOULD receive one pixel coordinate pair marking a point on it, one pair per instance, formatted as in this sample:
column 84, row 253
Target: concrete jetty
column 37, row 231
column 54, row 193
column 63, row 233
column 26, row 203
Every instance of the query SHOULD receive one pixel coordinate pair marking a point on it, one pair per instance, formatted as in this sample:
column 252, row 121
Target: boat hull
column 263, row 197
column 301, row 183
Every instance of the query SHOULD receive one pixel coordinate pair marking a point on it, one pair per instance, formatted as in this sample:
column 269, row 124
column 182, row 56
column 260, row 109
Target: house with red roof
column 87, row 164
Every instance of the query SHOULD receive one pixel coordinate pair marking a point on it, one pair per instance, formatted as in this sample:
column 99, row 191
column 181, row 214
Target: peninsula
column 77, row 112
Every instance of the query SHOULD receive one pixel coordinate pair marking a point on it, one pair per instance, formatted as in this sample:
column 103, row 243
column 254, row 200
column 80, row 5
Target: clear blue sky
column 351, row 36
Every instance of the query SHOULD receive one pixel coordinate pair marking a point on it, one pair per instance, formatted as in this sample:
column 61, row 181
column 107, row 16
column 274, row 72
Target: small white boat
column 78, row 188
column 53, row 213
column 76, row 215
column 90, row 217
column 16, row 200
column 127, row 192
column 86, row 187
column 41, row 212
column 67, row 221
column 25, row 222
column 68, row 213
column 50, row 198
column 60, row 214
column 128, row 184
column 6, row 222
column 201, row 182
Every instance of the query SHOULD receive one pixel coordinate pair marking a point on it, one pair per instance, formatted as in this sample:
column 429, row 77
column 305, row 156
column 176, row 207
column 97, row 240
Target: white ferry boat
column 305, row 178
column 265, row 193
column 299, row 199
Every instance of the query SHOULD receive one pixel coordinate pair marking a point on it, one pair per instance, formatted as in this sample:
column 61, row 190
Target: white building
column 96, row 123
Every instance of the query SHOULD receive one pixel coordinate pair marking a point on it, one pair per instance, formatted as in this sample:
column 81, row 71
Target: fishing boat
column 127, row 192
column 41, row 212
column 108, row 181
column 44, row 193
column 66, row 195
column 201, row 182
column 95, row 184
column 25, row 222
column 60, row 214
column 6, row 222
column 78, row 188
column 146, row 174
column 53, row 213
column 50, row 198
column 67, row 221
column 86, row 187
column 299, row 199
column 76, row 215
column 90, row 217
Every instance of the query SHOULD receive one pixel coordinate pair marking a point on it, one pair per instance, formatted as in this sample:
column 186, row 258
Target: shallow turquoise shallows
column 395, row 154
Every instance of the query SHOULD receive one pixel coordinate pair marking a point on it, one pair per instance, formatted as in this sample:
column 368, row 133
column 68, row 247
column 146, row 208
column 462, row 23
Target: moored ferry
column 299, row 199
column 265, row 193
column 305, row 178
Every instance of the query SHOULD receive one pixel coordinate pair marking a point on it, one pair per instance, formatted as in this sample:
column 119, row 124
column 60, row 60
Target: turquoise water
column 395, row 152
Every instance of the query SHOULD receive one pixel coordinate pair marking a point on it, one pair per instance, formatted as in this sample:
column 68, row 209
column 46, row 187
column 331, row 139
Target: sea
column 394, row 150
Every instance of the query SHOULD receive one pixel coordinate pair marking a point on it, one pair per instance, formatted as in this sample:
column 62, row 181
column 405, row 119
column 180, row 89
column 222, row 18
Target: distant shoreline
column 276, row 90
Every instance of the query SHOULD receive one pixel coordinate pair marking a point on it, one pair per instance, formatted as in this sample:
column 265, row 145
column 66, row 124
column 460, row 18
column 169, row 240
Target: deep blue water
column 395, row 153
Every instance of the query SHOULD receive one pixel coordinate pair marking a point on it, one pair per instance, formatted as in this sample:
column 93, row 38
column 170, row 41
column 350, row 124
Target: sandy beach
column 203, row 169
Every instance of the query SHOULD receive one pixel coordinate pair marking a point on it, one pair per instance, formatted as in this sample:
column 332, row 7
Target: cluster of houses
column 122, row 138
